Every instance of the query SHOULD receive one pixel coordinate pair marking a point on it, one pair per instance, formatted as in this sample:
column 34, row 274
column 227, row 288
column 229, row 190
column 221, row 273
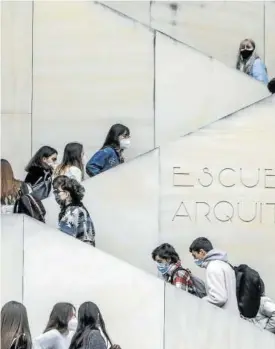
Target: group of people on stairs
column 44, row 174
column 238, row 290
column 64, row 329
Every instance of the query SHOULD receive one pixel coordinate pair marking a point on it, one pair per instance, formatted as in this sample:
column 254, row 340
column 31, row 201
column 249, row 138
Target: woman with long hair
column 74, row 219
column 95, row 311
column 15, row 330
column 250, row 63
column 60, row 328
column 111, row 153
column 72, row 163
column 40, row 171
column 87, row 335
column 10, row 187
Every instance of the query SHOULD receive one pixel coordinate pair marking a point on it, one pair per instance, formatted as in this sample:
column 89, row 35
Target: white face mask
column 124, row 143
column 72, row 324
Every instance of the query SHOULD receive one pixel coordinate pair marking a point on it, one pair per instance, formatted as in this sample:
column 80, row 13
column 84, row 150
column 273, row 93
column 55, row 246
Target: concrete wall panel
column 131, row 301
column 16, row 57
column 16, row 141
column 92, row 68
column 123, row 203
column 270, row 37
column 216, row 28
column 219, row 182
column 199, row 322
column 139, row 10
column 11, row 258
column 193, row 90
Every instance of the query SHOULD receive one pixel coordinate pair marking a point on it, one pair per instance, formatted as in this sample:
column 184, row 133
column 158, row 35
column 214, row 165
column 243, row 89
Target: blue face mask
column 163, row 268
column 198, row 262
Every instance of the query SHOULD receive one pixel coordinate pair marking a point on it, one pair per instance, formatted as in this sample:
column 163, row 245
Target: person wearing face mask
column 250, row 63
column 170, row 268
column 72, row 164
column 111, row 153
column 74, row 219
column 40, row 171
column 220, row 276
column 60, row 329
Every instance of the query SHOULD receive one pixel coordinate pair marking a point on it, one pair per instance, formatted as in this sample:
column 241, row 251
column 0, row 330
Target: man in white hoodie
column 220, row 276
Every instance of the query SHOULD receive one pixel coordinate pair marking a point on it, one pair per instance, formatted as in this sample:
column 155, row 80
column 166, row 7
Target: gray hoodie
column 220, row 281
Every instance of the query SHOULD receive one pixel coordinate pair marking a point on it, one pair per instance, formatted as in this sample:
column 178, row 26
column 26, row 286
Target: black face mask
column 246, row 54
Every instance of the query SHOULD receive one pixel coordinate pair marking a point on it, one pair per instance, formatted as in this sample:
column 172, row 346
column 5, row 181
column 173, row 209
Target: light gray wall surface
column 139, row 310
column 92, row 69
column 16, row 83
column 156, row 205
column 194, row 323
column 216, row 28
column 193, row 90
column 12, row 261
column 131, row 214
column 76, row 81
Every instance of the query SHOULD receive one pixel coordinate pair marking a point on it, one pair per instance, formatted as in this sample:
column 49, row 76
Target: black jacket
column 35, row 173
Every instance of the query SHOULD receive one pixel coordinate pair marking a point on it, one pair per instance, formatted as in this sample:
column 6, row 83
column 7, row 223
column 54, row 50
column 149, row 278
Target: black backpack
column 30, row 206
column 198, row 285
column 42, row 188
column 248, row 290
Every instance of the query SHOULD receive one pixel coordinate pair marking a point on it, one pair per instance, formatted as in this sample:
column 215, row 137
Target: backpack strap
column 175, row 271
column 41, row 213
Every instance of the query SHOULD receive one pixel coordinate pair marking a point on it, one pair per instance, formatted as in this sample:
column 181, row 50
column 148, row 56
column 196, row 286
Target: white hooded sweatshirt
column 220, row 281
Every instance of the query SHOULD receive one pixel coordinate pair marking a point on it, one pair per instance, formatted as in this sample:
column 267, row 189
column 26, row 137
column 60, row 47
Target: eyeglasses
column 56, row 191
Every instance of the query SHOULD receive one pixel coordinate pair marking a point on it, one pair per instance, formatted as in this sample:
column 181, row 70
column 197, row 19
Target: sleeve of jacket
column 259, row 71
column 96, row 341
column 97, row 163
column 269, row 311
column 217, row 292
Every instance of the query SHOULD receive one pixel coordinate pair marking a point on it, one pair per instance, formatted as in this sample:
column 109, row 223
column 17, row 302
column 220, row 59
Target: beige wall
column 125, row 206
column 193, row 90
column 213, row 27
column 220, row 182
column 140, row 311
column 11, row 258
column 16, row 83
column 130, row 216
column 92, row 68
column 84, row 80
column 270, row 37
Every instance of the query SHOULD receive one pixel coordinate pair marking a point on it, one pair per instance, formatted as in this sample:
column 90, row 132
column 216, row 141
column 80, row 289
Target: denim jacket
column 259, row 71
column 103, row 160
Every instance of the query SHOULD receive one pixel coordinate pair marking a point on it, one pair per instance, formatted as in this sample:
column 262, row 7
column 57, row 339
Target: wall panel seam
column 32, row 80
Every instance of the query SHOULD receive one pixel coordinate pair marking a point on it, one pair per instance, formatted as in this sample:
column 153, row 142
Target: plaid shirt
column 181, row 279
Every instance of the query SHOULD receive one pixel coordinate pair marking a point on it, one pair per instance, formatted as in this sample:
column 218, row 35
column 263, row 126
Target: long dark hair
column 112, row 139
column 9, row 185
column 60, row 317
column 15, row 330
column 72, row 157
column 36, row 160
column 89, row 318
